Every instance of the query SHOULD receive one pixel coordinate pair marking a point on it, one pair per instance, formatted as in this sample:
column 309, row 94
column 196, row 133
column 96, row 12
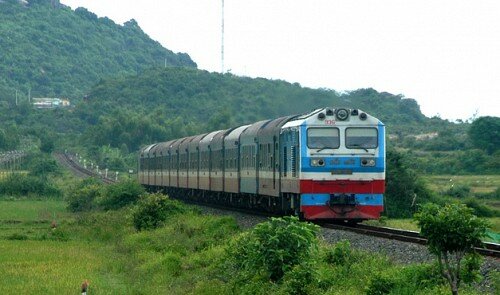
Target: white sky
column 445, row 54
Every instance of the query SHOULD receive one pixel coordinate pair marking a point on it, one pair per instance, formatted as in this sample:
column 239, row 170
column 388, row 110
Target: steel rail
column 79, row 170
column 488, row 249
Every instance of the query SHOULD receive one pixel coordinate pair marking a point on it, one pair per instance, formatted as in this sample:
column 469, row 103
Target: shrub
column 121, row 194
column 340, row 254
column 83, row 196
column 470, row 271
column 17, row 237
column 478, row 208
column 153, row 209
column 299, row 278
column 275, row 247
column 380, row 284
column 22, row 185
column 451, row 231
column 458, row 191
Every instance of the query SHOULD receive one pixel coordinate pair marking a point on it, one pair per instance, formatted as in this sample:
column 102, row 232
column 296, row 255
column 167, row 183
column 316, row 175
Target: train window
column 323, row 138
column 361, row 138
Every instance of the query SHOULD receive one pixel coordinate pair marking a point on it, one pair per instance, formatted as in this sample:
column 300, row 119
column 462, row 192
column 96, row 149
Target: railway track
column 488, row 249
column 78, row 170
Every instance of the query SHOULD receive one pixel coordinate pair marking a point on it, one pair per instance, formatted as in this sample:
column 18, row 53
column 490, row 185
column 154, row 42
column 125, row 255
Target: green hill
column 55, row 51
column 202, row 101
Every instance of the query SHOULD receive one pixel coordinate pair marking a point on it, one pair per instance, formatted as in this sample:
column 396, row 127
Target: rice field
column 37, row 259
column 54, row 267
column 477, row 183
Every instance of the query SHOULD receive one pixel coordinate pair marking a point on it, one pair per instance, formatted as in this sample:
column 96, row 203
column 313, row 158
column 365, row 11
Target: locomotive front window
column 323, row 138
column 361, row 138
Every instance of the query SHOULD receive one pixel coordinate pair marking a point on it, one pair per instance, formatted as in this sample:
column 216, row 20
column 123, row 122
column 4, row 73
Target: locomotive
column 328, row 164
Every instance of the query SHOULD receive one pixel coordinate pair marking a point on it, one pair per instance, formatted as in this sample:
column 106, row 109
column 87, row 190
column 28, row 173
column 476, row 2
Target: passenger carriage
column 327, row 164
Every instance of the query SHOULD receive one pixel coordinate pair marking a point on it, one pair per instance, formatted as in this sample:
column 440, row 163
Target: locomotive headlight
column 317, row 162
column 368, row 162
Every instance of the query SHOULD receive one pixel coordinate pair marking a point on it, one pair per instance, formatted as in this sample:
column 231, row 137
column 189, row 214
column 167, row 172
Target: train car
column 232, row 160
column 328, row 164
column 194, row 161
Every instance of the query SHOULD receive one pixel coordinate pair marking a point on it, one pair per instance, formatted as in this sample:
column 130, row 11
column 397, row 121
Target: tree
column 452, row 232
column 485, row 133
column 404, row 189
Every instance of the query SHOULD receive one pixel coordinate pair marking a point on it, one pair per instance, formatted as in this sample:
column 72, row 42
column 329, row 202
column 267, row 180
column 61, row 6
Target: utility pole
column 29, row 95
column 222, row 41
column 16, row 97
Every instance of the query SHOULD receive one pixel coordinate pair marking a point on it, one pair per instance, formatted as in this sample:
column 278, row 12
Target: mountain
column 53, row 51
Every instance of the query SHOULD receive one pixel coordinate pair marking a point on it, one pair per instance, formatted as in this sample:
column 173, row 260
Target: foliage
column 57, row 52
column 340, row 254
column 120, row 194
column 380, row 284
column 83, row 196
column 451, row 231
column 484, row 134
column 299, row 278
column 22, row 185
column 275, row 247
column 154, row 209
column 42, row 165
column 404, row 190
column 458, row 191
column 9, row 138
column 480, row 209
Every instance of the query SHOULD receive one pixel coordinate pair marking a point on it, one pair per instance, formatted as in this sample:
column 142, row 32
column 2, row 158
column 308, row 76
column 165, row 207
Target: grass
column 32, row 210
column 36, row 259
column 477, row 183
column 53, row 267
column 186, row 256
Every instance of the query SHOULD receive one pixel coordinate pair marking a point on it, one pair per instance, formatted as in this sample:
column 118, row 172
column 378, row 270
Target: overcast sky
column 444, row 54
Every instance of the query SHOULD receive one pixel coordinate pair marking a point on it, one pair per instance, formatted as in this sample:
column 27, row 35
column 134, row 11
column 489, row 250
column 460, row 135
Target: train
column 324, row 165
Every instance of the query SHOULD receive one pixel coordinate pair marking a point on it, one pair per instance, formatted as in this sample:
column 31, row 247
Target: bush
column 83, row 196
column 340, row 254
column 121, row 194
column 479, row 209
column 23, row 185
column 153, row 209
column 458, row 191
column 274, row 247
column 380, row 284
column 451, row 231
column 404, row 189
column 299, row 278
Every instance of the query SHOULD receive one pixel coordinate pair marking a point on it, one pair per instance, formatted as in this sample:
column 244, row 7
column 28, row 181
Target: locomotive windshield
column 361, row 138
column 323, row 138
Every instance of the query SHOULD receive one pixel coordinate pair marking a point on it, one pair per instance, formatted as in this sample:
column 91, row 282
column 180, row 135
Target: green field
column 54, row 267
column 37, row 259
column 477, row 183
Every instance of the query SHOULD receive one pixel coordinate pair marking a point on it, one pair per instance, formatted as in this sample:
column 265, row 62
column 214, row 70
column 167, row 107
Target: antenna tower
column 222, row 41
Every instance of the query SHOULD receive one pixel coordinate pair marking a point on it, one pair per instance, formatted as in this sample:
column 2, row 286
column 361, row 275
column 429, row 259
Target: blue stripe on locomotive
column 322, row 199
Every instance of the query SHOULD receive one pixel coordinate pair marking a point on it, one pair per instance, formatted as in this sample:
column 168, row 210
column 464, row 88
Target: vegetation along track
column 66, row 160
column 488, row 249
